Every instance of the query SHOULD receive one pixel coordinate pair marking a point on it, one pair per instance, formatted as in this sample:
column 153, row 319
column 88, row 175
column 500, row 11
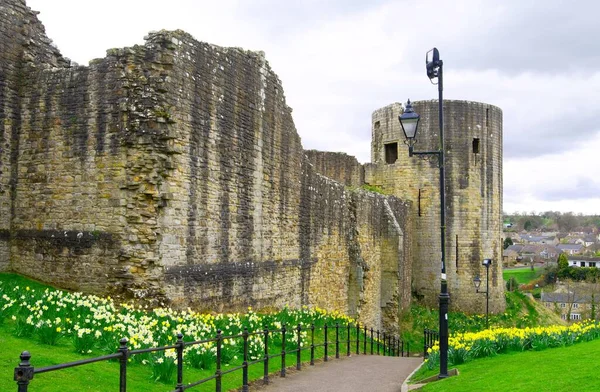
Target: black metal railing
column 430, row 337
column 383, row 344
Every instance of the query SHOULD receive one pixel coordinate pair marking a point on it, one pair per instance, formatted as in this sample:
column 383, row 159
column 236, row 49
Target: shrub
column 512, row 284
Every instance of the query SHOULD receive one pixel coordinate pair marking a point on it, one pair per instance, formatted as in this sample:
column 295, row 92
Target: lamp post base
column 444, row 301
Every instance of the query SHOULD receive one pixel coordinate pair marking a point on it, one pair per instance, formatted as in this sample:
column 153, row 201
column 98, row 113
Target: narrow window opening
column 456, row 245
column 476, row 146
column 487, row 117
column 419, row 203
column 377, row 125
column 391, row 153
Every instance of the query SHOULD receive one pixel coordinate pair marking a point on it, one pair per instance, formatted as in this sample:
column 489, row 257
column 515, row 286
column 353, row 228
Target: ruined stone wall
column 23, row 45
column 88, row 153
column 341, row 167
column 252, row 223
column 172, row 170
column 473, row 137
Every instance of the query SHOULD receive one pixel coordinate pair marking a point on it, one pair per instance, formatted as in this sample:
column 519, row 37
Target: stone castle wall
column 473, row 143
column 23, row 44
column 172, row 170
column 341, row 167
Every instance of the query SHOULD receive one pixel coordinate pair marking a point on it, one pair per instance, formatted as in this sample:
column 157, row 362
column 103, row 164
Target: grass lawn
column 573, row 368
column 104, row 376
column 522, row 275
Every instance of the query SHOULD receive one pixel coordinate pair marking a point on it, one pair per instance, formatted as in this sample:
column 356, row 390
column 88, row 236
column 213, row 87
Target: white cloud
column 536, row 184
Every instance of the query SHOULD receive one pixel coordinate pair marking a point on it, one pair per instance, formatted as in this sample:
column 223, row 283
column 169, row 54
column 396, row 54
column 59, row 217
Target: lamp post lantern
column 409, row 122
column 477, row 283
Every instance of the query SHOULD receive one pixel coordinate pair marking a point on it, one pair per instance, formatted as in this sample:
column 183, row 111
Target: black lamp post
column 409, row 121
column 477, row 283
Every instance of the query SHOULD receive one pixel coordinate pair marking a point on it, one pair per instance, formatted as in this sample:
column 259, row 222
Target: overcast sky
column 539, row 61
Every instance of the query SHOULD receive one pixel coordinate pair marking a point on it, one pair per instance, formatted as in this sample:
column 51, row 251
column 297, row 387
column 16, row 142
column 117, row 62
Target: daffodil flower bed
column 466, row 346
column 96, row 324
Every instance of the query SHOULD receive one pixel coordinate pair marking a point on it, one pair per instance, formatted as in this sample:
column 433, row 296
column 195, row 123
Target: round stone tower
column 473, row 143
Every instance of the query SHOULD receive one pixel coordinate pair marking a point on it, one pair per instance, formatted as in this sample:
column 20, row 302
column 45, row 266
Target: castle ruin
column 173, row 171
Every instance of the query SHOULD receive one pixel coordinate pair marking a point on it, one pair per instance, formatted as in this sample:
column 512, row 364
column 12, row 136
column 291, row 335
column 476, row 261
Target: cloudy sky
column 339, row 60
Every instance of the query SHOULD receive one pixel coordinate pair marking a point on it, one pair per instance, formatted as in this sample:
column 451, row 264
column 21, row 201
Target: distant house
column 586, row 241
column 550, row 252
column 581, row 261
column 584, row 230
column 529, row 252
column 571, row 304
column 541, row 240
column 589, row 240
column 570, row 249
column 509, row 256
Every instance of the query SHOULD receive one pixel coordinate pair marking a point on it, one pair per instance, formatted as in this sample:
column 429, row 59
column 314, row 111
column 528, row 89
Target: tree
column 563, row 261
column 567, row 222
column 508, row 242
column 530, row 222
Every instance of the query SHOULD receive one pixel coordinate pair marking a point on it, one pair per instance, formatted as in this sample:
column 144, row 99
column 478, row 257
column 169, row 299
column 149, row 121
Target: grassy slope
column 521, row 311
column 522, row 275
column 566, row 369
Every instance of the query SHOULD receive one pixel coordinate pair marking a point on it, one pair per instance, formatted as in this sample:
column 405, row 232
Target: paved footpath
column 366, row 373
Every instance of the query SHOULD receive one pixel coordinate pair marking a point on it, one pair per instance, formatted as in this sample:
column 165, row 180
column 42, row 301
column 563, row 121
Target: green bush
column 512, row 284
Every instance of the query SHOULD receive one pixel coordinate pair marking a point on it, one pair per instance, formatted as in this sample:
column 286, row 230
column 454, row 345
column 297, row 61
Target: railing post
column 383, row 349
column 23, row 372
column 408, row 349
column 298, row 329
column 377, row 342
column 312, row 344
column 180, row 347
column 425, row 343
column 325, row 345
column 218, row 365
column 348, row 340
column 245, row 363
column 337, row 340
column 357, row 338
column 266, row 361
column 365, row 342
column 282, row 374
column 123, row 365
column 371, row 340
column 402, row 348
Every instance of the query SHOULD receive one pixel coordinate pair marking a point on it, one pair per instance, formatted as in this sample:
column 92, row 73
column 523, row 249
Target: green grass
column 522, row 275
column 104, row 376
column 572, row 368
